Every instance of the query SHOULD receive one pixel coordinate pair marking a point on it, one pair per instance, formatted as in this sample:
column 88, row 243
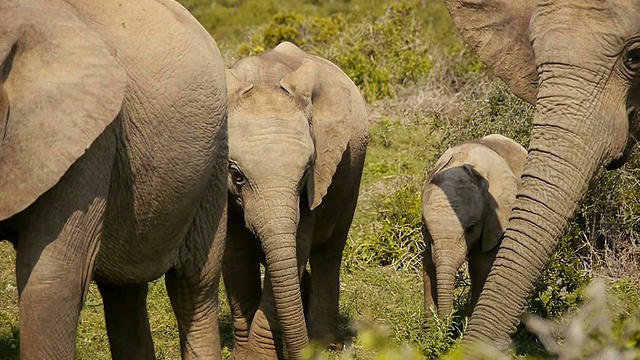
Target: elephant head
column 53, row 102
column 466, row 204
column 578, row 62
column 287, row 134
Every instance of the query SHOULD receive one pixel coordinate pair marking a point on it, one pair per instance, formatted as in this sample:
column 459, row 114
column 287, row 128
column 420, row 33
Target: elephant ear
column 329, row 103
column 235, row 86
column 64, row 87
column 513, row 153
column 503, row 185
column 498, row 31
column 440, row 164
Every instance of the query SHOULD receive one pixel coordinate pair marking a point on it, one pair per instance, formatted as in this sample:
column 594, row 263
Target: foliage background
column 425, row 91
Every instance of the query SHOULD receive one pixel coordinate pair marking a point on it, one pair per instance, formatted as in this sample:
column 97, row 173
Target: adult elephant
column 113, row 165
column 578, row 62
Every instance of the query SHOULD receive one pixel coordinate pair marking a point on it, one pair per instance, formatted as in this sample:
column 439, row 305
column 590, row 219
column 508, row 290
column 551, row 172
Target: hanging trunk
column 276, row 227
column 446, row 276
column 447, row 264
column 569, row 143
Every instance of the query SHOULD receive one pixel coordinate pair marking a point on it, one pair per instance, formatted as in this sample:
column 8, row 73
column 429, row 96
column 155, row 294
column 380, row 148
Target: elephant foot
column 327, row 338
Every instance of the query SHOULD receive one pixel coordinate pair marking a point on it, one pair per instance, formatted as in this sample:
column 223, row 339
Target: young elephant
column 297, row 137
column 466, row 204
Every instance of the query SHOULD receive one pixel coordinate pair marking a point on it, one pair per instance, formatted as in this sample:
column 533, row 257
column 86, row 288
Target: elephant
column 577, row 61
column 466, row 203
column 113, row 163
column 298, row 135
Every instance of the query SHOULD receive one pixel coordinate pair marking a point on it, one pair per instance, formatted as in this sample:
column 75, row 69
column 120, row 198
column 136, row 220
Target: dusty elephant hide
column 113, row 157
column 298, row 136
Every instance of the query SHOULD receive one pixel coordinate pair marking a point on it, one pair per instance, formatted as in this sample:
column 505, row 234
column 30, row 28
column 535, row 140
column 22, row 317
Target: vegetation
column 426, row 91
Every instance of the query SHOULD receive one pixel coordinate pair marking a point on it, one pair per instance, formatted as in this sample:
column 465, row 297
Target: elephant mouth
column 632, row 114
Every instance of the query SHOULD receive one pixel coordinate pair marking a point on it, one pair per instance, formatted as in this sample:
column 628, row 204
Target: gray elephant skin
column 297, row 141
column 577, row 61
column 466, row 203
column 113, row 163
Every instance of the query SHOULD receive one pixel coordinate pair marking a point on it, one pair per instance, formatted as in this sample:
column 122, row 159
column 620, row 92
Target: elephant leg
column 125, row 312
column 305, row 290
column 479, row 266
column 430, row 286
column 193, row 284
column 241, row 274
column 323, row 314
column 56, row 251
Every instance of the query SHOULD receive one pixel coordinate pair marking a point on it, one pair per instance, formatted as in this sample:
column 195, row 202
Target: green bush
column 395, row 238
column 379, row 52
column 500, row 113
column 297, row 28
column 385, row 51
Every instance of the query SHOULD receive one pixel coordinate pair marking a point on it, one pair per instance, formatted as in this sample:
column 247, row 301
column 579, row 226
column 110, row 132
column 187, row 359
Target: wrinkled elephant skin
column 114, row 158
column 466, row 203
column 297, row 142
column 577, row 61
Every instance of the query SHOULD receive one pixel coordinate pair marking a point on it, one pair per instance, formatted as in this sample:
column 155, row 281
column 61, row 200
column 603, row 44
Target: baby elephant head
column 466, row 205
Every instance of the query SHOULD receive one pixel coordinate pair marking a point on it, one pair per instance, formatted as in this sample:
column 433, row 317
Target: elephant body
column 578, row 62
column 114, row 162
column 297, row 137
column 466, row 203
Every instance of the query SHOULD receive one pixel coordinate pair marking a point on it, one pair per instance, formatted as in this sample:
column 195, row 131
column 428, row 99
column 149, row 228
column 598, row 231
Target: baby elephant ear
column 235, row 86
column 503, row 185
column 513, row 153
column 63, row 86
column 498, row 30
column 301, row 84
column 331, row 101
column 440, row 164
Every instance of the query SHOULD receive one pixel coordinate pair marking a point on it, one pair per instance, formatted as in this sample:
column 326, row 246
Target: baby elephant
column 466, row 204
column 297, row 140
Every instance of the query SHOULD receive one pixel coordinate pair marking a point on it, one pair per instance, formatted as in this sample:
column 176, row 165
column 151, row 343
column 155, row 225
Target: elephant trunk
column 447, row 262
column 570, row 142
column 276, row 227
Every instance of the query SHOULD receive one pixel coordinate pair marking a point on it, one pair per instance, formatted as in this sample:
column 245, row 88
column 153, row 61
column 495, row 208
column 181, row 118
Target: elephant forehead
column 268, row 127
column 440, row 217
column 582, row 24
column 270, row 144
column 454, row 199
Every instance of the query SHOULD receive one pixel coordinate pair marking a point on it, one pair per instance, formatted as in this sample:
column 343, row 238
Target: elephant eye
column 236, row 175
column 469, row 229
column 632, row 59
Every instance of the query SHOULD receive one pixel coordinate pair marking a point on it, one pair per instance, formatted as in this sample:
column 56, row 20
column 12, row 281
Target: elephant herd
column 128, row 152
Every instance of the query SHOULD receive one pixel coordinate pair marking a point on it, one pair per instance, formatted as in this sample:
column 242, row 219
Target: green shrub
column 395, row 238
column 297, row 28
column 385, row 51
column 604, row 326
column 500, row 113
column 379, row 52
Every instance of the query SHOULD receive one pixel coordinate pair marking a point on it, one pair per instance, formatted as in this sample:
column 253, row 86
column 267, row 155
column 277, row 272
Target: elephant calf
column 297, row 141
column 466, row 203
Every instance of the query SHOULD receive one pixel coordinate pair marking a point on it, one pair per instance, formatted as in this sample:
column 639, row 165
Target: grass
column 416, row 112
